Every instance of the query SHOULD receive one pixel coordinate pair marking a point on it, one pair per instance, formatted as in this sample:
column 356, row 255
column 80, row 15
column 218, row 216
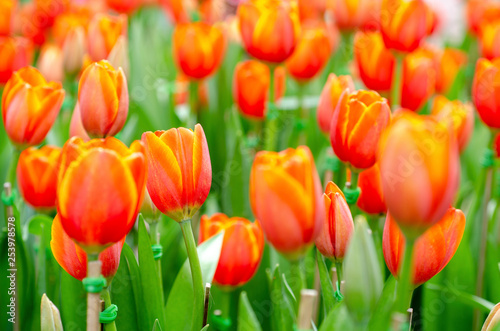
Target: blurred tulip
column 149, row 210
column 286, row 186
column 311, row 54
column 269, row 29
column 448, row 63
column 198, row 49
column 123, row 6
column 103, row 32
column 15, row 53
column 481, row 12
column 329, row 98
column 7, row 8
column 456, row 114
column 352, row 14
column 433, row 250
column 118, row 57
column 486, row 91
column 50, row 62
column 241, row 251
column 181, row 95
column 311, row 10
column 47, row 10
column 37, row 176
column 30, row 25
column 251, row 87
column 103, row 99
column 489, row 36
column 30, row 106
column 356, row 126
column 371, row 200
column 405, row 23
column 180, row 170
column 493, row 320
column 66, row 24
column 338, row 225
column 419, row 79
column 374, row 61
column 176, row 10
column 73, row 259
column 76, row 128
column 74, row 49
column 419, row 167
column 100, row 190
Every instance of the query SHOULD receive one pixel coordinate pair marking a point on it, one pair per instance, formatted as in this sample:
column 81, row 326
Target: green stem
column 373, row 221
column 193, row 100
column 271, row 131
column 404, row 285
column 107, row 302
column 340, row 176
column 338, row 267
column 154, row 235
column 224, row 322
column 194, row 263
column 298, row 279
column 396, row 83
column 11, row 174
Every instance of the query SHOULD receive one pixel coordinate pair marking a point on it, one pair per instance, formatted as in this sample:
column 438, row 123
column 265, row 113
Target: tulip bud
column 50, row 317
column 7, row 9
column 352, row 14
column 419, row 79
column 371, row 200
column 329, row 98
column 74, row 49
column 50, row 63
column 493, row 320
column 448, row 64
column 103, row 33
column 76, row 128
column 486, row 91
column 480, row 12
column 241, row 251
column 15, row 53
column 118, row 57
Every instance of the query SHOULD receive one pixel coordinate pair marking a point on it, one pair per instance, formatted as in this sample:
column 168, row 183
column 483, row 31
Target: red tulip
column 15, row 53
column 371, row 200
column 419, row 79
column 486, row 92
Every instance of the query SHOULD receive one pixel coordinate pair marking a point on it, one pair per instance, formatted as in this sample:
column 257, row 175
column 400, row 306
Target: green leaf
column 469, row 299
column 135, row 279
column 157, row 326
column 73, row 303
column 247, row 321
column 205, row 328
column 338, row 319
column 327, row 292
column 179, row 308
column 381, row 317
column 282, row 307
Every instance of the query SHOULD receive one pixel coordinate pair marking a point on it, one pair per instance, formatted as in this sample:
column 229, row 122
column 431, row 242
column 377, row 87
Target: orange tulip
column 30, row 24
column 405, row 23
column 15, row 53
column 241, row 250
column 286, row 186
column 311, row 10
column 103, row 99
column 176, row 10
column 47, row 10
column 74, row 49
column 338, row 225
column 251, row 87
column 50, row 62
column 123, row 6
column 37, row 176
column 73, row 259
column 419, row 79
column 456, row 114
column 76, row 128
column 371, row 200
column 180, row 170
column 104, row 31
column 352, row 14
column 100, row 189
column 448, row 63
column 480, row 12
column 374, row 61
column 433, row 250
column 269, row 29
column 198, row 49
column 329, row 98
column 7, row 8
column 30, row 106
column 356, row 127
column 311, row 54
column 486, row 91
column 489, row 36
column 66, row 23
column 419, row 167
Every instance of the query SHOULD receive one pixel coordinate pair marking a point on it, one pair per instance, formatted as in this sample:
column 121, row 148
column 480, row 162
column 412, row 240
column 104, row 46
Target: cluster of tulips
column 341, row 193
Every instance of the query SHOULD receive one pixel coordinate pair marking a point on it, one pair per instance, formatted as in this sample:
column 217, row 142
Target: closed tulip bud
column 241, row 250
column 7, row 8
column 76, row 128
column 100, row 189
column 493, row 320
column 198, row 49
column 103, row 32
column 311, row 54
column 405, row 23
column 374, row 61
column 74, row 48
column 73, row 259
column 419, row 167
column 419, row 79
column 251, row 87
column 486, row 91
column 329, row 98
column 50, row 62
column 338, row 225
column 15, row 53
column 103, row 99
column 286, row 186
column 37, row 176
column 269, row 29
column 448, row 64
column 489, row 33
column 352, row 14
column 123, row 6
column 180, row 173
column 356, row 127
column 456, row 114
column 433, row 250
column 371, row 200
column 30, row 106
column 480, row 12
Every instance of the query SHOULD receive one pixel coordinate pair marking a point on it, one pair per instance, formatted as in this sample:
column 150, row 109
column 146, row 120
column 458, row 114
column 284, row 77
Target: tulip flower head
column 481, row 12
column 419, row 79
column 50, row 62
column 371, row 200
column 352, row 14
column 241, row 250
column 15, row 53
column 123, row 6
column 329, row 98
column 103, row 32
column 7, row 8
column 486, row 92
column 448, row 64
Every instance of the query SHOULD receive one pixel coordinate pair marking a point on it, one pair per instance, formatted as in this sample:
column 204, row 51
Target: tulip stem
column 107, row 302
column 298, row 278
column 404, row 285
column 271, row 129
column 221, row 319
column 11, row 174
column 193, row 100
column 338, row 268
column 396, row 82
column 340, row 175
column 155, row 239
column 194, row 263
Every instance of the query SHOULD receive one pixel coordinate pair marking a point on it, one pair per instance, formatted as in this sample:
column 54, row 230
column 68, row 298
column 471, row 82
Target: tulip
column 103, row 99
column 493, row 319
column 489, row 34
column 456, row 114
column 269, row 29
column 448, row 63
column 311, row 54
column 181, row 94
column 50, row 62
column 433, row 250
column 100, row 190
column 286, row 186
column 251, row 87
column 311, row 10
column 356, row 127
column 405, row 23
column 374, row 61
column 47, row 10
column 176, row 10
column 73, row 259
column 123, row 6
column 419, row 79
column 486, row 91
column 480, row 12
column 198, row 49
column 66, row 23
column 76, row 128
column 15, row 53
column 371, row 200
column 419, row 167
column 180, row 170
column 103, row 32
column 352, row 14
column 329, row 98
column 337, row 227
column 74, row 49
column 118, row 57
column 241, row 250
column 7, row 8
column 149, row 210
column 37, row 176
column 30, row 106
column 30, row 24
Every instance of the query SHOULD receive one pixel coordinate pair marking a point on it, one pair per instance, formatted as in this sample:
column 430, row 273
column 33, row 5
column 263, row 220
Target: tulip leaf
column 381, row 317
column 327, row 292
column 73, row 303
column 338, row 319
column 206, row 327
column 247, row 321
column 157, row 326
column 179, row 307
column 282, row 307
